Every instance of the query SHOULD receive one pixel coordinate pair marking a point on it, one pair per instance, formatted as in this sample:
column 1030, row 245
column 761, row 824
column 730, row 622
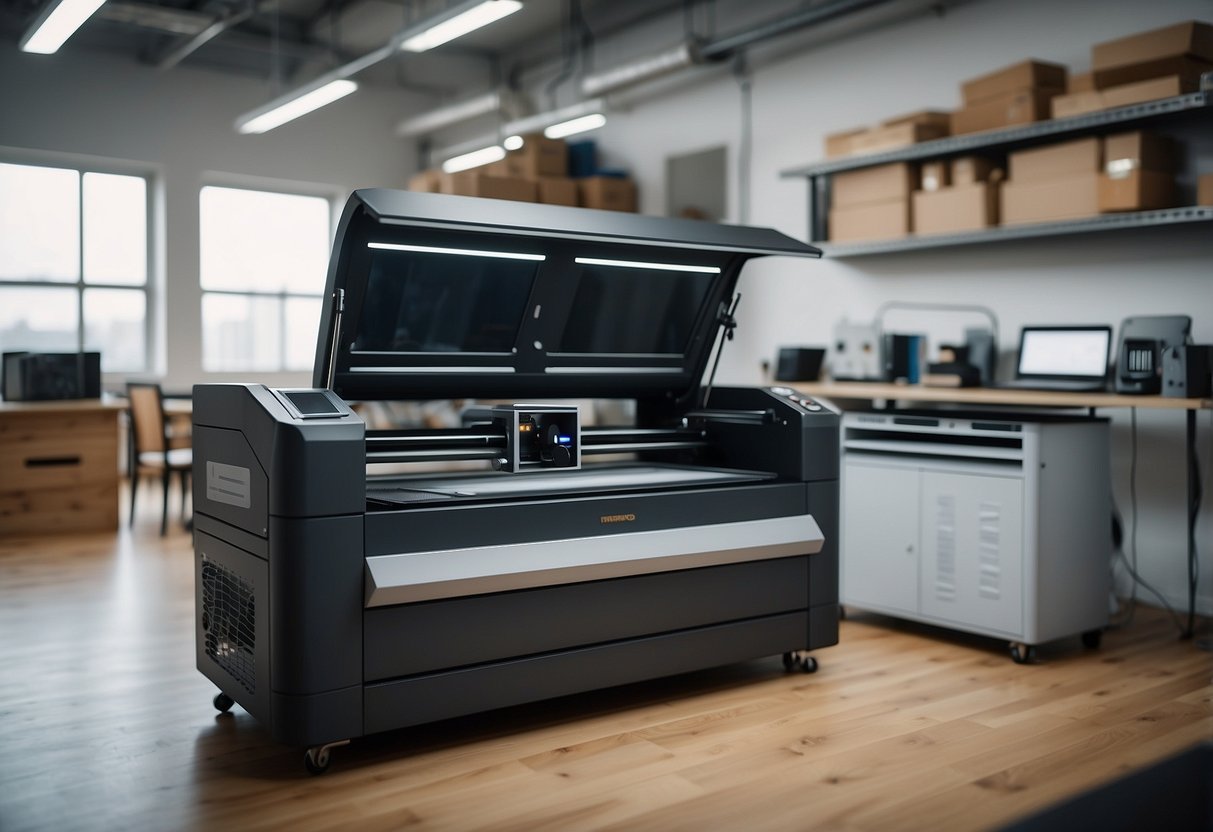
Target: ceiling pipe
column 429, row 122
column 182, row 51
column 692, row 53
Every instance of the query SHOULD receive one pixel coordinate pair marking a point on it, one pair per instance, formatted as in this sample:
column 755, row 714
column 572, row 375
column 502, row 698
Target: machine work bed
column 332, row 603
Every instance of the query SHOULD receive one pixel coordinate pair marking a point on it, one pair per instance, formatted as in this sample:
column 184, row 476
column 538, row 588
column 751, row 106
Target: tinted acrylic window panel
column 421, row 302
column 634, row 311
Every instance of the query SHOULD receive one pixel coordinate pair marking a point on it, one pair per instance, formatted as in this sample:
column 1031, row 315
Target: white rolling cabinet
column 991, row 524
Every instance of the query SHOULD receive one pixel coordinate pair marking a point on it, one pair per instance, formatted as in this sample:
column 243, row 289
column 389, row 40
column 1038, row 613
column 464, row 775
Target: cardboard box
column 1080, row 82
column 1070, row 198
column 969, row 169
column 1139, row 190
column 1077, row 103
column 1015, row 78
column 538, row 156
column 609, row 193
column 478, row 183
column 1140, row 149
column 1188, row 69
column 557, row 190
column 885, row 220
column 876, row 184
column 1146, row 91
column 1005, row 110
column 936, row 174
column 939, row 119
column 427, row 181
column 895, row 135
column 1204, row 189
column 839, row 144
column 958, row 208
column 1056, row 161
column 1191, row 38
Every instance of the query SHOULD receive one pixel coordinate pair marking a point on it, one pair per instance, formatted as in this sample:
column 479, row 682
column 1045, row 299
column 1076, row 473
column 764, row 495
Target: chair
column 151, row 451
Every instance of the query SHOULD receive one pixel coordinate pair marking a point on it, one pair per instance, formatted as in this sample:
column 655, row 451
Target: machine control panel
column 809, row 404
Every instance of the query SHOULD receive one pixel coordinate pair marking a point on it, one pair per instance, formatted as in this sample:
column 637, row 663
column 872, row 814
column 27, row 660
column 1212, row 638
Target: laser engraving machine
column 335, row 601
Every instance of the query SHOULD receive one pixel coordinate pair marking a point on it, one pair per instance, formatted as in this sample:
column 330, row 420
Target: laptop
column 1069, row 358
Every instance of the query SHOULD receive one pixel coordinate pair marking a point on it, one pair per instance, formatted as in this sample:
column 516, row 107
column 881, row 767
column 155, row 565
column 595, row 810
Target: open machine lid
column 435, row 296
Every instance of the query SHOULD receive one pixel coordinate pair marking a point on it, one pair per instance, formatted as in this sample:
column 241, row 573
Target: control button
column 813, row 407
column 783, row 391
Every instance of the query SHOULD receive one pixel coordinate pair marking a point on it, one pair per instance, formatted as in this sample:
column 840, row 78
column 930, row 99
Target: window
column 74, row 263
column 263, row 262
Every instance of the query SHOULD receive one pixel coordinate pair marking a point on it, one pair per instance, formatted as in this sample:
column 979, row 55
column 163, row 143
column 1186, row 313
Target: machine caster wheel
column 1091, row 639
column 1022, row 653
column 798, row 661
column 318, row 758
column 222, row 702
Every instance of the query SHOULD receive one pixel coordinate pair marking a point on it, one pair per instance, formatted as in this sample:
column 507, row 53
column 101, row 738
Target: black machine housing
column 333, row 602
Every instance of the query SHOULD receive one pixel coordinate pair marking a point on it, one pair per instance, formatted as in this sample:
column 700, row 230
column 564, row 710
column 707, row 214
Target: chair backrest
column 147, row 415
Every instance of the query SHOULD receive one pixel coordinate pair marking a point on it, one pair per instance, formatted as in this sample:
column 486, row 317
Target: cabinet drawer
column 90, row 507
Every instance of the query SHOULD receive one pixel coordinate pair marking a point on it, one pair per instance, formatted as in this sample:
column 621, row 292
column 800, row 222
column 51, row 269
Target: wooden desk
column 59, row 466
column 894, row 393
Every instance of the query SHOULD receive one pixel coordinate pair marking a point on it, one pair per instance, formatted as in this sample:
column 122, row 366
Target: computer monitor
column 1064, row 352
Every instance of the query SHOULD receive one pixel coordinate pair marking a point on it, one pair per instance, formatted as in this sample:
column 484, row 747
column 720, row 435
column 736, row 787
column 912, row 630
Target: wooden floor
column 105, row 724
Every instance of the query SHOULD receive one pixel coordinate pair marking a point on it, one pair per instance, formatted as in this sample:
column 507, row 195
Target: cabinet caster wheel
column 318, row 758
column 1022, row 653
column 797, row 661
column 222, row 702
column 1091, row 639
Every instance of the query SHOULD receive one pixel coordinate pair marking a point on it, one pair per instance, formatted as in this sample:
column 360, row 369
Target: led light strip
column 466, row 252
column 635, row 264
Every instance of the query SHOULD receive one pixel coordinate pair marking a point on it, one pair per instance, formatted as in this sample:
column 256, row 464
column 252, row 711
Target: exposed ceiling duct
column 508, row 103
column 643, row 69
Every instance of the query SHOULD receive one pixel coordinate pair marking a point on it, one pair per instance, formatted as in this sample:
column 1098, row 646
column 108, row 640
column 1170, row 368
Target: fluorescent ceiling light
column 538, row 122
column 294, row 104
column 467, row 252
column 573, row 126
column 464, row 18
column 636, row 264
column 483, row 156
column 57, row 22
column 513, row 143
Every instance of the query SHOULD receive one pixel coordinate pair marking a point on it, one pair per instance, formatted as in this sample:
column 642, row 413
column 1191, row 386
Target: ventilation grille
column 945, row 547
column 229, row 622
column 989, row 548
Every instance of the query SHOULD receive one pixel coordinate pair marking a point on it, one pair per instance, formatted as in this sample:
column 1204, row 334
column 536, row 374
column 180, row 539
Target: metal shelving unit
column 1103, row 222
column 1011, row 138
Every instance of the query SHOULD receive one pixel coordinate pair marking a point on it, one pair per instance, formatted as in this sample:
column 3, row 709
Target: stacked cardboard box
column 1161, row 63
column 1017, row 94
column 1139, row 173
column 535, row 172
column 872, row 203
column 968, row 203
column 892, row 133
column 1055, row 182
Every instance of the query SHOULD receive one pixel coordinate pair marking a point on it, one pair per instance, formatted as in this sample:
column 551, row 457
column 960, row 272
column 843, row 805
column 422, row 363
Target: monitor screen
column 1064, row 352
column 623, row 309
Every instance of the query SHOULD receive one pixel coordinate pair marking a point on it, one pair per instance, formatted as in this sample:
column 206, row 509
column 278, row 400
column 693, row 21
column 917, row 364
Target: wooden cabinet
column 58, row 467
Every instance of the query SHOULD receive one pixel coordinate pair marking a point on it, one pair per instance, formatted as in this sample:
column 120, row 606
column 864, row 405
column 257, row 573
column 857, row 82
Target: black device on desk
column 1064, row 358
column 48, row 376
column 1143, row 341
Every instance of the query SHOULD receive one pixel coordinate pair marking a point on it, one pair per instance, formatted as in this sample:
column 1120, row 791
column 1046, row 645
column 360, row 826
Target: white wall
column 914, row 65
column 180, row 123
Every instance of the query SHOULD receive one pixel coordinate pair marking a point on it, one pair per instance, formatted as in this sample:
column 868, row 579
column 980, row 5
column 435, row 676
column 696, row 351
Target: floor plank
column 105, row 723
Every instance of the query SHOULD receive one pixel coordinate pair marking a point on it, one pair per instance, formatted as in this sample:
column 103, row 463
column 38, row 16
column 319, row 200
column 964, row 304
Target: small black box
column 799, row 363
column 1186, row 369
column 43, row 376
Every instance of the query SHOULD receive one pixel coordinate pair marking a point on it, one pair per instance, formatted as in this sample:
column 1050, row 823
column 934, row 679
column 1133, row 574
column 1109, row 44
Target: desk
column 877, row 391
column 59, row 466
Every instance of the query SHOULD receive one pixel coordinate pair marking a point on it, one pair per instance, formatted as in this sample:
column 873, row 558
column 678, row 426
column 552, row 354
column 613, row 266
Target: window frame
column 151, row 284
column 333, row 196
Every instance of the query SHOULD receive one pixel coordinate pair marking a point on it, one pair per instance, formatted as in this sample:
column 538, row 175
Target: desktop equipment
column 857, row 354
column 1186, row 371
column 799, row 363
column 1143, row 341
column 49, row 376
column 1064, row 358
column 336, row 599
